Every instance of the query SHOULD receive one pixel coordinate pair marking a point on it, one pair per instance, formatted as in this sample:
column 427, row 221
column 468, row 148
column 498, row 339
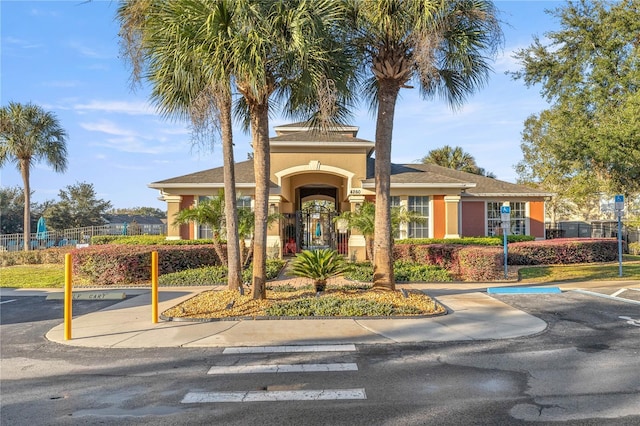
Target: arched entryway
column 313, row 225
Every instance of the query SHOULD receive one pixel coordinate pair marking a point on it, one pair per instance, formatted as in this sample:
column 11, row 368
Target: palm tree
column 285, row 49
column 454, row 158
column 265, row 48
column 210, row 212
column 186, row 85
column 364, row 220
column 29, row 134
column 443, row 47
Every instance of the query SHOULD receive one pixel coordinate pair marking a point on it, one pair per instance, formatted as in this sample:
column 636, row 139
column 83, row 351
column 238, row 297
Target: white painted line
column 289, row 349
column 634, row 289
column 631, row 321
column 622, row 290
column 259, row 396
column 8, row 301
column 606, row 296
column 283, row 368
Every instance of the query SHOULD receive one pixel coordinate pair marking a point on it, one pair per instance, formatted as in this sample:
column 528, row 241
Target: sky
column 64, row 56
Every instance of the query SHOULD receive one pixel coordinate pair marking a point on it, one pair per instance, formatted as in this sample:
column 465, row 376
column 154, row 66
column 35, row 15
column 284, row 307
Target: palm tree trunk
column 26, row 227
column 234, row 268
column 383, row 242
column 260, row 137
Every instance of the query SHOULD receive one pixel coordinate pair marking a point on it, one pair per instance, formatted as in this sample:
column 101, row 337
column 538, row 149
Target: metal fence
column 596, row 229
column 71, row 237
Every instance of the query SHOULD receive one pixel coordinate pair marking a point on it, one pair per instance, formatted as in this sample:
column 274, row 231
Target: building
column 315, row 176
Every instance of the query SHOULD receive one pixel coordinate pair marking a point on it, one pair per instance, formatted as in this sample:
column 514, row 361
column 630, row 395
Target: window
column 395, row 201
column 493, row 218
column 518, row 218
column 421, row 206
column 244, row 202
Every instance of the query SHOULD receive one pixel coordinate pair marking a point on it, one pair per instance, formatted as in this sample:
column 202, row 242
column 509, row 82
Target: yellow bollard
column 154, row 287
column 68, row 296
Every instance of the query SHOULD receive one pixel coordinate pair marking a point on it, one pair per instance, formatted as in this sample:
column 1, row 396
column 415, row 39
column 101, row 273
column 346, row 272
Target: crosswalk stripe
column 288, row 349
column 260, row 396
column 283, row 368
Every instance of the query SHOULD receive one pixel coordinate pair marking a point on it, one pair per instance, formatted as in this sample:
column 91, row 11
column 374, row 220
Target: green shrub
column 206, row 276
column 124, row 264
column 415, row 272
column 214, row 275
column 54, row 255
column 332, row 307
column 634, row 248
column 144, row 240
column 274, row 266
column 319, row 265
column 475, row 241
column 480, row 263
column 403, row 272
column 563, row 251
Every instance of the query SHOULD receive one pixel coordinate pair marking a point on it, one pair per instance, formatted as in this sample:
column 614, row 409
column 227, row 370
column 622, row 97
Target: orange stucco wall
column 186, row 231
column 536, row 218
column 473, row 219
column 439, row 216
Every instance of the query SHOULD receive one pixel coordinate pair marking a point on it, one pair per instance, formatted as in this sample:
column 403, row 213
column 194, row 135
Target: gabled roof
column 211, row 178
column 402, row 175
column 429, row 175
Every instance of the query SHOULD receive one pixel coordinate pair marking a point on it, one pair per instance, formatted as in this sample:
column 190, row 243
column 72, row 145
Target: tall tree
column 578, row 191
column 210, row 212
column 454, row 158
column 444, row 46
column 364, row 220
column 589, row 71
column 28, row 135
column 78, row 207
column 12, row 210
column 266, row 48
column 286, row 49
column 189, row 68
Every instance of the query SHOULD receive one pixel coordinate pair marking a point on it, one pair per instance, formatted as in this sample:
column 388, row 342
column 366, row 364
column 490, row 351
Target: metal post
column 68, row 296
column 619, row 245
column 504, row 232
column 154, row 287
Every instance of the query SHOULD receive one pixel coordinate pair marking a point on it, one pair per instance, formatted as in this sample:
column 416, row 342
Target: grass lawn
column 592, row 272
column 52, row 276
column 32, row 276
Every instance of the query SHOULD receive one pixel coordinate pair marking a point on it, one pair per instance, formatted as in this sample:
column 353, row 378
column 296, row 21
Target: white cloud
column 121, row 107
column 62, row 83
column 108, row 127
column 89, row 52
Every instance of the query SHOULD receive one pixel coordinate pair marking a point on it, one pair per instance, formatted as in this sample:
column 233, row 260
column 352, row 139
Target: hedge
column 474, row 267
column 53, row 255
column 563, row 251
column 125, row 264
column 144, row 240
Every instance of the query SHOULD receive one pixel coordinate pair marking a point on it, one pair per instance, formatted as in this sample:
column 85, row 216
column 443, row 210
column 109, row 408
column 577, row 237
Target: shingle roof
column 401, row 174
column 316, row 137
column 477, row 185
column 213, row 177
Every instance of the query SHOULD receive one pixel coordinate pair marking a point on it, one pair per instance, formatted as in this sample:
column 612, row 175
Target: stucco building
column 315, row 176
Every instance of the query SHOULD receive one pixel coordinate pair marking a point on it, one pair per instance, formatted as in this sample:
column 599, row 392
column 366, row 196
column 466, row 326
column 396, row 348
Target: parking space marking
column 8, row 301
column 283, row 368
column 289, row 349
column 631, row 321
column 606, row 296
column 622, row 290
column 256, row 396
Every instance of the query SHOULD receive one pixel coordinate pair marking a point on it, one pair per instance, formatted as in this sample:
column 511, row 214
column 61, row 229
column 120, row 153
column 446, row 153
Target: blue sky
column 64, row 56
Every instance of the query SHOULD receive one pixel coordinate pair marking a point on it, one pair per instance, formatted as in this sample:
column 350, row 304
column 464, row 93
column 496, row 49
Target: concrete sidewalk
column 473, row 315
